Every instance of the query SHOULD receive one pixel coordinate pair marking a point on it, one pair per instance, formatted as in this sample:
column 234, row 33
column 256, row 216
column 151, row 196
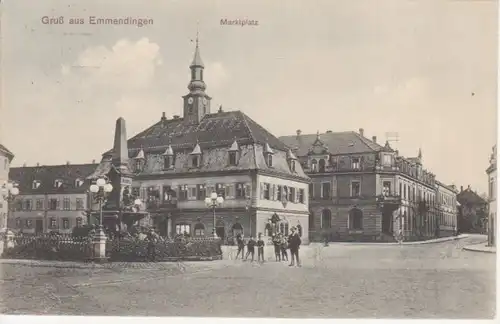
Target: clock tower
column 196, row 102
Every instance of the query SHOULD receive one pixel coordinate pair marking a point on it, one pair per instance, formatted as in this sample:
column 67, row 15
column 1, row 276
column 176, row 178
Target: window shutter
column 248, row 191
column 189, row 194
column 272, row 194
column 261, row 190
column 296, row 195
column 317, row 190
column 232, row 190
column 58, row 203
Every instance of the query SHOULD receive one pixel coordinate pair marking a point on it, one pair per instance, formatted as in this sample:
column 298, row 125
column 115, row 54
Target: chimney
column 176, row 116
column 461, row 188
column 362, row 132
column 299, row 132
column 37, row 164
column 67, row 162
column 468, row 187
column 93, row 161
column 374, row 139
column 328, row 131
column 163, row 116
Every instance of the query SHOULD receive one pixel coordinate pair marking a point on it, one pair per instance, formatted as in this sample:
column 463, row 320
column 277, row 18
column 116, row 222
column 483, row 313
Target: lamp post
column 212, row 202
column 101, row 190
column 9, row 191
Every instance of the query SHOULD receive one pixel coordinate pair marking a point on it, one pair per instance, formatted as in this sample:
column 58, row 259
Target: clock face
column 190, row 101
column 205, row 101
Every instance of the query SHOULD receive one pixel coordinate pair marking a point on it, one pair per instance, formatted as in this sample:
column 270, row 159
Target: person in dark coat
column 283, row 247
column 277, row 247
column 151, row 238
column 251, row 248
column 260, row 248
column 241, row 245
column 294, row 242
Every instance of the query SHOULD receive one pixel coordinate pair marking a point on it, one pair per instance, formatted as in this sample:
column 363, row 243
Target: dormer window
column 58, row 183
column 268, row 155
column 314, row 165
column 139, row 161
column 233, row 153
column 291, row 160
column 168, row 158
column 292, row 165
column 196, row 156
column 387, row 159
column 78, row 183
column 355, row 164
column 35, row 184
column 195, row 161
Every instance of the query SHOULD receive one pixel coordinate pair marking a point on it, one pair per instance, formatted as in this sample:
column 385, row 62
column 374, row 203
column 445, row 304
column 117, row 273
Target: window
column 355, row 164
column 201, row 74
column 193, row 193
column 28, row 204
column 492, row 188
column 53, row 223
column 35, row 184
column 355, row 219
column 232, row 158
column 66, row 203
column 53, row 204
column 168, row 162
column 387, row 159
column 325, row 190
column 19, row 204
column 199, row 229
column 322, row 165
column 78, row 183
column 79, row 222
column 195, row 160
column 18, row 222
column 183, row 229
column 39, row 204
column 400, row 189
column 201, row 193
column 57, row 183
column 269, row 160
column 311, row 190
column 65, row 223
column 326, row 218
column 267, row 191
column 183, row 192
column 291, row 194
column 79, row 204
column 311, row 220
column 193, row 74
column 301, row 196
column 279, row 193
column 314, row 165
column 355, row 189
column 240, row 190
column 386, row 188
column 168, row 193
column 29, row 223
column 221, row 190
column 292, row 165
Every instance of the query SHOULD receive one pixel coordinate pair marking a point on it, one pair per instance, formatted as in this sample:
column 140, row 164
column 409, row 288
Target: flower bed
column 132, row 249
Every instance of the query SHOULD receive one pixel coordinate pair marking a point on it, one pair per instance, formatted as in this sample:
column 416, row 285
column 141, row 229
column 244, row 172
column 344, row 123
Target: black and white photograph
column 248, row 159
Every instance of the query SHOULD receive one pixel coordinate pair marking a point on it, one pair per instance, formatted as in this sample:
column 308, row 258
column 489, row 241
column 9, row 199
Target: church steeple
column 196, row 102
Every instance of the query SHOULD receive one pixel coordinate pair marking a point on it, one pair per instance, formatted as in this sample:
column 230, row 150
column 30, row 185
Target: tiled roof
column 337, row 143
column 468, row 196
column 9, row 154
column 48, row 174
column 218, row 129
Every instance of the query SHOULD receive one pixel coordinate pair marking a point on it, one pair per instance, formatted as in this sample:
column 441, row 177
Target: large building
column 492, row 197
column 52, row 198
column 176, row 163
column 6, row 157
column 364, row 191
column 473, row 211
column 446, row 209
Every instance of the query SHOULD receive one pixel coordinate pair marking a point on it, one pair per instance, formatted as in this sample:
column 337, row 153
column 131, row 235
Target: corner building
column 6, row 158
column 177, row 163
column 363, row 191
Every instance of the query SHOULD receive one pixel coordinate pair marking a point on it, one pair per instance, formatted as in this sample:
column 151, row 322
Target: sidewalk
column 438, row 240
column 480, row 248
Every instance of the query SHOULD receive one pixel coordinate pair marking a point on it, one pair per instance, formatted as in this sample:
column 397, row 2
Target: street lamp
column 9, row 192
column 101, row 190
column 212, row 202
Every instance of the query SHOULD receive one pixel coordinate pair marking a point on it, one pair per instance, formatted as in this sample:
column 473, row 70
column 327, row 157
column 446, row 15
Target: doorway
column 221, row 232
column 38, row 226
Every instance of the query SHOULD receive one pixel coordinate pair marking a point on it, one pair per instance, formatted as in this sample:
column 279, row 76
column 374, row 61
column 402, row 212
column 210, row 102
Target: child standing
column 277, row 245
column 284, row 246
column 260, row 247
column 251, row 248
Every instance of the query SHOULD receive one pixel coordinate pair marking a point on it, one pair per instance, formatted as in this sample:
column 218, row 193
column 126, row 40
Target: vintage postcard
column 249, row 159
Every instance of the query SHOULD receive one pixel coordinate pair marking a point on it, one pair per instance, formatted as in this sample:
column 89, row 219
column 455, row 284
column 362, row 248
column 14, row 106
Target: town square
column 167, row 171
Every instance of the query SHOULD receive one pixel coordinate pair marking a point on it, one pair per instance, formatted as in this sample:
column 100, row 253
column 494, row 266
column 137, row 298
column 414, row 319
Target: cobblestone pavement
column 427, row 281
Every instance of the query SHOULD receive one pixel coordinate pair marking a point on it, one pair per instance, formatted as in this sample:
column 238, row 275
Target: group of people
column 281, row 244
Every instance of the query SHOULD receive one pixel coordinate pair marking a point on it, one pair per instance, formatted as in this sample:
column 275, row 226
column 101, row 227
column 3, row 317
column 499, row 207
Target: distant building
column 52, row 198
column 364, row 191
column 492, row 197
column 6, row 157
column 473, row 211
column 446, row 209
column 175, row 164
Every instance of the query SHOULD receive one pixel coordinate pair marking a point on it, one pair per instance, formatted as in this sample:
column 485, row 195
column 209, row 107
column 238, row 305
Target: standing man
column 294, row 242
column 241, row 245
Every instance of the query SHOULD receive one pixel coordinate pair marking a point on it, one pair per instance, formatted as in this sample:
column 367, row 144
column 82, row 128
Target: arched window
column 314, row 165
column 299, row 230
column 237, row 229
column 322, row 164
column 269, row 229
column 326, row 218
column 199, row 229
column 356, row 219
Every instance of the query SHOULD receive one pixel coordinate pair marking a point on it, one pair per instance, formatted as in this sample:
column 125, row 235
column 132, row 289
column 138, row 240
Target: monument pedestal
column 99, row 243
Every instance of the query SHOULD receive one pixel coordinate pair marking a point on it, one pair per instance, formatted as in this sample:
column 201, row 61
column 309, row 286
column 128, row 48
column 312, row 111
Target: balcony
column 156, row 205
column 389, row 199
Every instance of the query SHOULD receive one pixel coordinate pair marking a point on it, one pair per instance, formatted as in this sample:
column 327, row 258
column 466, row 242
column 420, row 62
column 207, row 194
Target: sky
column 425, row 70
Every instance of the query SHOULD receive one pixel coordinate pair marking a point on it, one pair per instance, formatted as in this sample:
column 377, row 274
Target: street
column 340, row 281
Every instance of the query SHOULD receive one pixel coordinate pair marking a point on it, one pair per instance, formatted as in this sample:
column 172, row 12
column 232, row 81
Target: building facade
column 51, row 198
column 446, row 208
column 492, row 197
column 177, row 163
column 363, row 191
column 473, row 211
column 6, row 157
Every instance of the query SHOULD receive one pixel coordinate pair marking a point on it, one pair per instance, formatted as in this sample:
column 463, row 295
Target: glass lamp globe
column 108, row 187
column 100, row 182
column 14, row 191
column 208, row 201
column 137, row 202
column 94, row 188
column 213, row 195
column 220, row 200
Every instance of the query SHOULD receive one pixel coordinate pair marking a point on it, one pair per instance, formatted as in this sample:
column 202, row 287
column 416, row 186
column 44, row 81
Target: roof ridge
column 363, row 140
column 250, row 133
